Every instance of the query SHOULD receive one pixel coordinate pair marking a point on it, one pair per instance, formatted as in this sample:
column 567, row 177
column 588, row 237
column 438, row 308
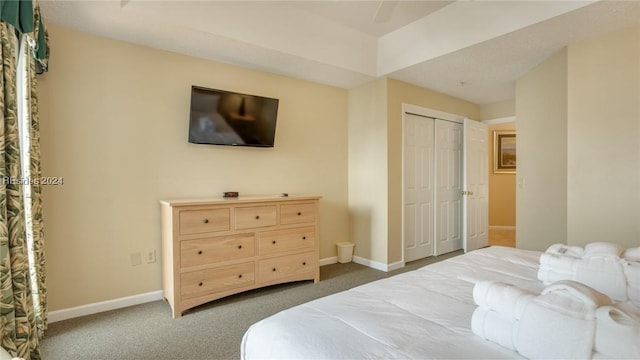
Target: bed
column 425, row 313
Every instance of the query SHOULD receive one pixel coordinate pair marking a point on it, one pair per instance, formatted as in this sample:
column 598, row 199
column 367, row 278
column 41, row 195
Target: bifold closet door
column 448, row 186
column 418, row 187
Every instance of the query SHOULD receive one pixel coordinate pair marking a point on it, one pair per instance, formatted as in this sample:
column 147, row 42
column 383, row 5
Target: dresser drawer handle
column 304, row 238
column 257, row 217
column 200, row 284
column 206, row 221
column 273, row 242
column 304, row 263
column 299, row 213
column 239, row 246
column 240, row 276
column 199, row 252
column 274, row 269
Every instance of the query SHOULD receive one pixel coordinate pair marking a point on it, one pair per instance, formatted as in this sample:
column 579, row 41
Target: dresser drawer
column 284, row 240
column 216, row 249
column 278, row 268
column 204, row 221
column 204, row 282
column 251, row 217
column 298, row 213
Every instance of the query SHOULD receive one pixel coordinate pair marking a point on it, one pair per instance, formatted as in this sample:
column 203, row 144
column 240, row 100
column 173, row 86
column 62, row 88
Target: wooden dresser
column 212, row 248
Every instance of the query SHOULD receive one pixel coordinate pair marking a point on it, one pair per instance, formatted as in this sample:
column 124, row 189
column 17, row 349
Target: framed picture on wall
column 504, row 152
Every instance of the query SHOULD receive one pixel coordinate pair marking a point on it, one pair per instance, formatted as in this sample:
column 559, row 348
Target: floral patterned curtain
column 22, row 310
column 36, row 65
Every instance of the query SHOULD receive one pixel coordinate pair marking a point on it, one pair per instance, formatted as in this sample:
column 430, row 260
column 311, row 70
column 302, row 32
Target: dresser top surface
column 238, row 200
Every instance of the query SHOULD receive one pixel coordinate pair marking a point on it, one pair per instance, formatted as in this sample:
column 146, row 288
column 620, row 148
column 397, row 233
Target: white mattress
column 425, row 313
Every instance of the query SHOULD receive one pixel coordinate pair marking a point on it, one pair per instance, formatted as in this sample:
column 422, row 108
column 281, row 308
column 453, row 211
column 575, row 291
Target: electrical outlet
column 151, row 256
column 136, row 259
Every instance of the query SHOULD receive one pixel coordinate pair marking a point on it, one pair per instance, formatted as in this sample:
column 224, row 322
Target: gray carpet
column 210, row 331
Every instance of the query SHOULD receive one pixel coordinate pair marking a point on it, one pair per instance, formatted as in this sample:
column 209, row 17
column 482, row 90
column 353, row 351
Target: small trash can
column 345, row 252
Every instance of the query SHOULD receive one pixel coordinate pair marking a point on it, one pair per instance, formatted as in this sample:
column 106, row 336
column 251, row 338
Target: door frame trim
column 430, row 113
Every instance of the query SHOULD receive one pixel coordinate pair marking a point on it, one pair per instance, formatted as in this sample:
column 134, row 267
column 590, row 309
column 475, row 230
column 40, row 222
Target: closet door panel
column 418, row 189
column 448, row 145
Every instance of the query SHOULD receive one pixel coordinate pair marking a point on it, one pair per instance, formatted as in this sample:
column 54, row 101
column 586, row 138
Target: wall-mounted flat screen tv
column 219, row 117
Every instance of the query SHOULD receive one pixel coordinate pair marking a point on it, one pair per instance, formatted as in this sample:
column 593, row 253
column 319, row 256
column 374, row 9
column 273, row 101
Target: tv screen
column 219, row 117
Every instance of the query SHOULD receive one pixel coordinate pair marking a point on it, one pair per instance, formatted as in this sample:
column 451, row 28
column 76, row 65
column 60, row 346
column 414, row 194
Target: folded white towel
column 558, row 325
column 632, row 271
column 494, row 327
column 506, row 299
column 558, row 262
column 602, row 249
column 632, row 254
column 562, row 249
column 549, row 276
column 579, row 292
column 632, row 274
column 604, row 274
column 632, row 309
column 617, row 333
column 556, row 267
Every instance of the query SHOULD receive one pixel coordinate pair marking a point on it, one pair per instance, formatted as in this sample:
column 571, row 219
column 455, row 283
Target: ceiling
column 474, row 50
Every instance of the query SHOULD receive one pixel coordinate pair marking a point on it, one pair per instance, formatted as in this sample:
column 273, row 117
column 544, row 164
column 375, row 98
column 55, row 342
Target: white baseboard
column 102, row 306
column 328, row 261
column 395, row 266
column 502, row 227
column 378, row 265
column 366, row 262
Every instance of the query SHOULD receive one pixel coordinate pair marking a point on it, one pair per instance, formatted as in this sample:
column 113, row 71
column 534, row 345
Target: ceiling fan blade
column 385, row 10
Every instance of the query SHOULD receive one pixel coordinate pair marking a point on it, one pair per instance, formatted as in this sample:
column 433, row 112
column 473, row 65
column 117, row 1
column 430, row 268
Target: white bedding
column 425, row 313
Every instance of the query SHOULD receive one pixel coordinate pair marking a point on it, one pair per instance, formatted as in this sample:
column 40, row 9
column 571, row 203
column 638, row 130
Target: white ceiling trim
column 270, row 25
column 460, row 25
column 503, row 120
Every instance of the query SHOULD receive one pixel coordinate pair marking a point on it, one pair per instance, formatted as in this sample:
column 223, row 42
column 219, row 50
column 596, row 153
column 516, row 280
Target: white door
column 418, row 191
column 476, row 186
column 448, row 198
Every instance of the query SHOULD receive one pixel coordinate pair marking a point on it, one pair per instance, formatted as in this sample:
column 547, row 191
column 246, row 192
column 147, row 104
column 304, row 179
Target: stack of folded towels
column 567, row 320
column 600, row 265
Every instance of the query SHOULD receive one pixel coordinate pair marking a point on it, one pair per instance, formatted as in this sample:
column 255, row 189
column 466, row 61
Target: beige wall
column 114, row 125
column 579, row 145
column 604, row 140
column 541, row 110
column 368, row 170
column 502, row 187
column 498, row 110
